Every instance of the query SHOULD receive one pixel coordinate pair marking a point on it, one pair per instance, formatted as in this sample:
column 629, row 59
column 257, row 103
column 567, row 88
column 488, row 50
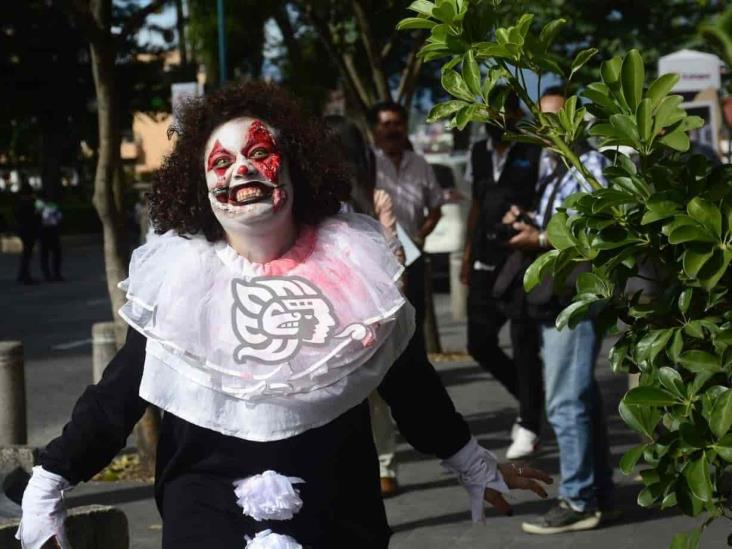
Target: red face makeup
column 259, row 152
column 243, row 168
column 262, row 151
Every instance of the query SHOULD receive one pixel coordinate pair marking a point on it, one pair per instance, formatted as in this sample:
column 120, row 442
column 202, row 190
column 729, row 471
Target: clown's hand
column 42, row 524
column 487, row 480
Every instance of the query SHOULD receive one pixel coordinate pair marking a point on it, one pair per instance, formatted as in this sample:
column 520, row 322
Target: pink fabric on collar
column 299, row 252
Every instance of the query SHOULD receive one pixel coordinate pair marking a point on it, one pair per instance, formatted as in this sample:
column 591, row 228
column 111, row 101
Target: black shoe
column 28, row 281
column 562, row 518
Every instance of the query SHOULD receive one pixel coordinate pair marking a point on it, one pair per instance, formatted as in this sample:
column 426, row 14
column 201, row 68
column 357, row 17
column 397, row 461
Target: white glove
column 477, row 469
column 43, row 510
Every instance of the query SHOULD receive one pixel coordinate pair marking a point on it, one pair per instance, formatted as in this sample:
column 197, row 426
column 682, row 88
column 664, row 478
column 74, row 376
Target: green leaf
column 668, row 112
column 538, row 269
column 644, row 120
column 558, row 232
column 610, row 71
column 626, row 127
column 591, row 283
column 582, row 57
column 464, row 116
column 649, row 396
column 677, row 345
column 574, row 311
column 443, row 110
column 471, row 72
column 714, row 269
column 672, row 381
column 422, row 6
column 445, row 12
column 599, row 94
column 549, row 32
column 685, row 298
column 721, row 419
column 642, row 419
column 661, row 87
column 658, row 209
column 686, row 540
column 677, row 140
column 697, row 477
column 410, row 23
column 455, row 85
column 724, row 447
column 699, row 361
column 633, row 77
column 689, row 233
column 706, row 213
column 630, row 458
column 695, row 256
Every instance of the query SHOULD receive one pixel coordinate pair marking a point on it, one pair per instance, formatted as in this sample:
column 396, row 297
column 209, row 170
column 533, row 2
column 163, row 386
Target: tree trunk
column 431, row 331
column 108, row 199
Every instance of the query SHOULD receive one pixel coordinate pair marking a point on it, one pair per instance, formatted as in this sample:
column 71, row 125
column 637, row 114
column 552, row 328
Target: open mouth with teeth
column 241, row 195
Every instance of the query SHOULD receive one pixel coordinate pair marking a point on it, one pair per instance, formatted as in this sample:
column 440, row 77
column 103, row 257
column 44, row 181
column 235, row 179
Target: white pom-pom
column 269, row 496
column 266, row 539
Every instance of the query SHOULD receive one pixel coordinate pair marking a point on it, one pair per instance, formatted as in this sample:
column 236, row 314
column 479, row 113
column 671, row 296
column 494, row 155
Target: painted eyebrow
column 217, row 149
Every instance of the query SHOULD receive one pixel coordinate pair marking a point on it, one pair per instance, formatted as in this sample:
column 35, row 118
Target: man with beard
column 502, row 173
column 417, row 197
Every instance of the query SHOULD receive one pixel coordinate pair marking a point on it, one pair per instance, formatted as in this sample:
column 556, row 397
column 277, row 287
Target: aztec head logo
column 273, row 317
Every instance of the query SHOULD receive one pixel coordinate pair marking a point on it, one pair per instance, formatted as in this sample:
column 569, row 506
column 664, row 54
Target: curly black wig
column 179, row 197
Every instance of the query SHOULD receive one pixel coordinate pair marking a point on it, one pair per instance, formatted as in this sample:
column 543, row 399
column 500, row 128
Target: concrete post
column 13, row 428
column 104, row 347
column 458, row 290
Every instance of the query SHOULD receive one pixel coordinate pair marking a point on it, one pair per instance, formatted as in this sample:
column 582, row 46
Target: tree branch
column 137, row 19
column 80, row 12
column 374, row 56
column 343, row 60
column 408, row 80
column 282, row 19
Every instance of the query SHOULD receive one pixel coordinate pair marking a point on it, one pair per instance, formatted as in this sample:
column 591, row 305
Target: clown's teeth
column 248, row 192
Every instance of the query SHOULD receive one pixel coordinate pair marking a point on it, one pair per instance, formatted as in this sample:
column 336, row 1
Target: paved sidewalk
column 54, row 321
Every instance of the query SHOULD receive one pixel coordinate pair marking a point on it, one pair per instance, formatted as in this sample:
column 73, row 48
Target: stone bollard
column 13, row 428
column 104, row 347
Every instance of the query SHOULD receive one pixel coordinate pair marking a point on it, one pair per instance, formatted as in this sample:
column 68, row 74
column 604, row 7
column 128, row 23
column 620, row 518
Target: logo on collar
column 274, row 317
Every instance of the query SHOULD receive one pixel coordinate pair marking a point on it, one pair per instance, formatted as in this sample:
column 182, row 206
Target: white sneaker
column 525, row 444
column 515, row 427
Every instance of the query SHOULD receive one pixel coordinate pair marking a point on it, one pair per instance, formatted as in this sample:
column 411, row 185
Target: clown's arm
column 101, row 421
column 426, row 417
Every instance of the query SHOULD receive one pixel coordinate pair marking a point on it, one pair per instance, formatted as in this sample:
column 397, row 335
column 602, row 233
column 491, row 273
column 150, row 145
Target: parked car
column 448, row 236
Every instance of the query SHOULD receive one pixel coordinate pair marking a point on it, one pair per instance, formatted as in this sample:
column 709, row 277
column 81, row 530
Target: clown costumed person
column 261, row 321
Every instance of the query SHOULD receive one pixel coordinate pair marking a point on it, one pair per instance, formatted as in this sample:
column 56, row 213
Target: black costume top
column 196, row 466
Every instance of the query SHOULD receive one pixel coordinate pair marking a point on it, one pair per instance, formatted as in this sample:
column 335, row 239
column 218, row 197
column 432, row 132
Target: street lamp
column 222, row 41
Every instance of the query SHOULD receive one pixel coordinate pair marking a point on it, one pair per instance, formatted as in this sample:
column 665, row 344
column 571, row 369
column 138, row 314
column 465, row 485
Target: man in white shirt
column 417, row 197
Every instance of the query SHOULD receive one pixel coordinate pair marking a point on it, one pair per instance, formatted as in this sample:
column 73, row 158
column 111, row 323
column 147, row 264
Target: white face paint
column 246, row 176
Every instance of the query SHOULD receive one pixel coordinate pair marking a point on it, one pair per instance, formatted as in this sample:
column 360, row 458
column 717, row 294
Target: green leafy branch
column 660, row 216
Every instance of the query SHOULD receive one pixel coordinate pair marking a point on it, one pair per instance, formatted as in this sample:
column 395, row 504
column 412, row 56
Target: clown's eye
column 258, row 154
column 222, row 162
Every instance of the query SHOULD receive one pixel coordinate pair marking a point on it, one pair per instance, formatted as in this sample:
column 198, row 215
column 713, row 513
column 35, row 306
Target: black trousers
column 29, row 240
column 520, row 375
column 50, row 252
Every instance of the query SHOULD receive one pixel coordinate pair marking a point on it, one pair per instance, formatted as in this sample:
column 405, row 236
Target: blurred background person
column 50, row 234
column 502, row 173
column 410, row 182
column 368, row 200
column 573, row 398
column 28, row 223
